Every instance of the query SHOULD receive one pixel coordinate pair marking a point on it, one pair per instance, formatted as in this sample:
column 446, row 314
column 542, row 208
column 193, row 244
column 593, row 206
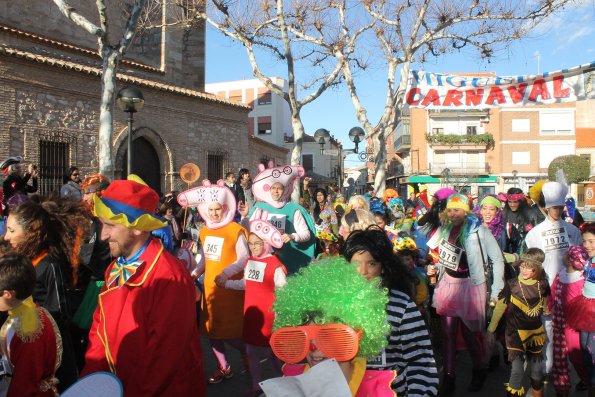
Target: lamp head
column 130, row 99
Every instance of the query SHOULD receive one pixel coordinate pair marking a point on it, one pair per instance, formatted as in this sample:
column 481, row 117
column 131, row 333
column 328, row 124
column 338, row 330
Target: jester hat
column 332, row 291
column 265, row 231
column 204, row 196
column 130, row 203
column 285, row 174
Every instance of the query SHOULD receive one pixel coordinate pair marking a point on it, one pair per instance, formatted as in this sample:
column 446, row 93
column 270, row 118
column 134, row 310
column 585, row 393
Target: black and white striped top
column 409, row 349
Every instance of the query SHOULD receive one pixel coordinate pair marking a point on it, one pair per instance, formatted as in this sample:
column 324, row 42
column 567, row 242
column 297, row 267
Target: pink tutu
column 580, row 314
column 458, row 297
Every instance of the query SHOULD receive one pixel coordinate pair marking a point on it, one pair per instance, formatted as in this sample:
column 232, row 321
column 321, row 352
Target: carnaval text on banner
column 486, row 90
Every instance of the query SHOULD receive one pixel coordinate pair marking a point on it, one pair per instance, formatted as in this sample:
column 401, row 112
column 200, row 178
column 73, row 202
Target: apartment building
column 270, row 118
column 270, row 121
column 484, row 151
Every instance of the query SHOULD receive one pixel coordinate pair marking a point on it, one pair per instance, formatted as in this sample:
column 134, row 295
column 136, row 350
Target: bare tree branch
column 70, row 13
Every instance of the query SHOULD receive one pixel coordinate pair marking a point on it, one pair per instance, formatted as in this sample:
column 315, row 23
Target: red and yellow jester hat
column 130, row 203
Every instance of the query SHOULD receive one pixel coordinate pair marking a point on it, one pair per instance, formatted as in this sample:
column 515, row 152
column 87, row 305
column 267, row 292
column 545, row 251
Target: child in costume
column 263, row 274
column 328, row 310
column 525, row 298
column 581, row 311
column 329, row 244
column 567, row 285
column 30, row 340
column 406, row 249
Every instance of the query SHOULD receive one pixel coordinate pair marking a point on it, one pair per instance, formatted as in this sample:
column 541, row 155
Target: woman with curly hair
column 409, row 349
column 328, row 310
column 48, row 232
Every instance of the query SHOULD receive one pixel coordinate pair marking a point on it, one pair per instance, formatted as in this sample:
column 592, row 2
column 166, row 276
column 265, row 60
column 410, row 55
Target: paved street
column 236, row 386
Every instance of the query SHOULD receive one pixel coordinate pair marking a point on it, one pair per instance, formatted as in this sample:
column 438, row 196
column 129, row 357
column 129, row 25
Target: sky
column 564, row 40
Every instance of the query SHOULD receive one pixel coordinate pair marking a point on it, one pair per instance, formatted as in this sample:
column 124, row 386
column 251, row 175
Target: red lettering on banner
column 517, row 93
column 473, row 97
column 433, row 97
column 411, row 96
column 558, row 91
column 453, row 97
column 539, row 88
column 497, row 95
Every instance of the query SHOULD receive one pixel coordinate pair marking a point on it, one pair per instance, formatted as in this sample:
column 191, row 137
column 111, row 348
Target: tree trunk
column 296, row 153
column 108, row 86
column 379, row 144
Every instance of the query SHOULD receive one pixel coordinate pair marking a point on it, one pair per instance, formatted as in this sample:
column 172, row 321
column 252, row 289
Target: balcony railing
column 459, row 169
column 403, row 142
column 486, row 140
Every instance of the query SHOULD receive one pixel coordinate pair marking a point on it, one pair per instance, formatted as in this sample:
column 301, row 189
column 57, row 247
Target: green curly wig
column 332, row 291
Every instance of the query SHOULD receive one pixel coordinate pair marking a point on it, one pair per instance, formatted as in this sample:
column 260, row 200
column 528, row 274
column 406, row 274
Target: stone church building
column 50, row 92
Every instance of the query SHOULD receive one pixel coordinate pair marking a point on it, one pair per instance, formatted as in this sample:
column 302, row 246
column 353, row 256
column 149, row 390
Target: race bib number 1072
column 555, row 239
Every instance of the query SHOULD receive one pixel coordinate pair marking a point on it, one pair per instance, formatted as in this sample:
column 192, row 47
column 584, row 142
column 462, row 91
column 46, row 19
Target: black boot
column 479, row 376
column 494, row 362
column 447, row 386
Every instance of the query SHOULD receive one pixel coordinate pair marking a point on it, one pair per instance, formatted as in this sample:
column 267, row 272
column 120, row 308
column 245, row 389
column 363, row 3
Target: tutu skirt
column 580, row 314
column 458, row 297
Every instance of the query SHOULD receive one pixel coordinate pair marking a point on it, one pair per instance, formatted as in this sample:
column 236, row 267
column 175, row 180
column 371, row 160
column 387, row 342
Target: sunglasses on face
column 338, row 341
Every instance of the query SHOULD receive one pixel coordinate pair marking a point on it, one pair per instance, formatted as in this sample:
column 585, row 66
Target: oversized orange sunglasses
column 338, row 341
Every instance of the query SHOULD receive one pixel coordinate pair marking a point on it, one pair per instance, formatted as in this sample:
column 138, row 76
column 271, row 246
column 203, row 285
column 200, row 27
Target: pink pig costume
column 289, row 218
column 262, row 275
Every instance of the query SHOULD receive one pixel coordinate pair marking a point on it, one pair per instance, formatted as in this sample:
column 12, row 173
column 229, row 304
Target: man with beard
column 144, row 326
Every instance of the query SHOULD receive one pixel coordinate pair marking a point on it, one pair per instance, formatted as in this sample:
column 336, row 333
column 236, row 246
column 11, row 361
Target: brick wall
column 45, row 101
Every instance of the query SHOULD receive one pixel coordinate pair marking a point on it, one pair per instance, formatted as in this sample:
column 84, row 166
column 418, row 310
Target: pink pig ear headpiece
column 203, row 196
column 260, row 226
column 286, row 175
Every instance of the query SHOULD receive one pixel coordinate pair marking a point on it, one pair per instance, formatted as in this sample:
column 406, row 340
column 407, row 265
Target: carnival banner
column 485, row 90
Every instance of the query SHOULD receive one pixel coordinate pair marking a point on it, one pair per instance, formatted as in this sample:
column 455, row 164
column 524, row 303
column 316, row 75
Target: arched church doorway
column 145, row 163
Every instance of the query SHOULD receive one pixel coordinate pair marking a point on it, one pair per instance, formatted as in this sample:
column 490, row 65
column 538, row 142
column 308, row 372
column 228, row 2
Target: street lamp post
column 130, row 100
column 356, row 135
column 320, row 136
column 514, row 175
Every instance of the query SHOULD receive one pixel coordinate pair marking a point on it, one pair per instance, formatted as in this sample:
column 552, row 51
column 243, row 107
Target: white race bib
column 254, row 271
column 555, row 240
column 278, row 221
column 213, row 247
column 449, row 255
column 378, row 361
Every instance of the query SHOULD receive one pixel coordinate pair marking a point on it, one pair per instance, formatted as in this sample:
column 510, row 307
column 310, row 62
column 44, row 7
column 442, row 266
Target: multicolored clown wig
column 332, row 291
column 204, row 196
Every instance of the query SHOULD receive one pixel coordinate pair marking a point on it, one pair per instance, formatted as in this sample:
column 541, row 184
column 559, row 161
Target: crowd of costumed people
column 112, row 284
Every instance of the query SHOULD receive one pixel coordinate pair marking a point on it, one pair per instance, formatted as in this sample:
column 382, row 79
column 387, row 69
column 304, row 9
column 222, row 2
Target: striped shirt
column 409, row 349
